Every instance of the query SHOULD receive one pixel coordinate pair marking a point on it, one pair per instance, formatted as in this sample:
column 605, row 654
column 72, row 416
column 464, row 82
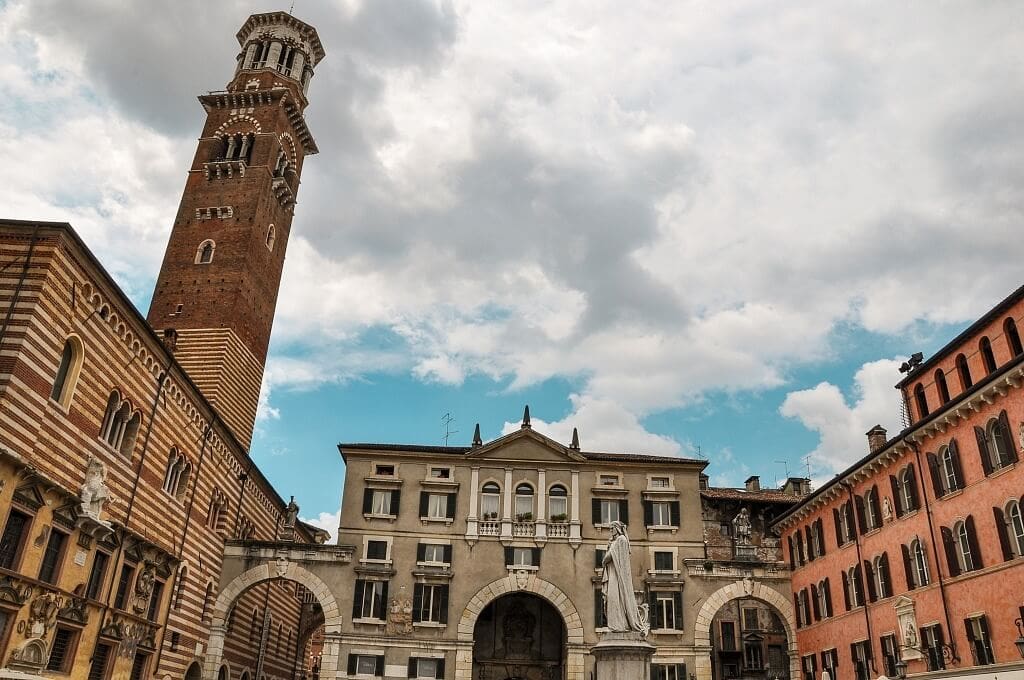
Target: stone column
column 506, row 510
column 330, row 656
column 622, row 655
column 540, row 527
column 474, row 493
column 298, row 65
column 574, row 503
column 273, row 54
column 250, row 51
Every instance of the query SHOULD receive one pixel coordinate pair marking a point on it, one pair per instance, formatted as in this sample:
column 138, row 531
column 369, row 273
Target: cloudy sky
column 697, row 228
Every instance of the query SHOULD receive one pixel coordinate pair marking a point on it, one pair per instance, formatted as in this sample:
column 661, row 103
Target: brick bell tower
column 218, row 285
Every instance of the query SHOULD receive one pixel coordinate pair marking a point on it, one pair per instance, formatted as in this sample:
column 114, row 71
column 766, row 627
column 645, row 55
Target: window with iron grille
column 980, row 640
column 932, row 641
column 127, row 572
column 13, row 538
column 98, row 575
column 139, row 665
column 100, row 664
column 61, row 650
column 53, row 556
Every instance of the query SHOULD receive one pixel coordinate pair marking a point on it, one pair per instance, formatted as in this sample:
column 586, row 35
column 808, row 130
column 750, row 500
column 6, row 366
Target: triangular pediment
column 526, row 445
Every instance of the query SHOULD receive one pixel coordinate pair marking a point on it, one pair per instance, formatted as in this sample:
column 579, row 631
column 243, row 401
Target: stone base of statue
column 622, row 655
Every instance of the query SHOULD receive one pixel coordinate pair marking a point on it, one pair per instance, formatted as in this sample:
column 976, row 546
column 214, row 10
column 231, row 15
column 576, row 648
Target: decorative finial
column 526, row 418
column 477, row 441
column 575, row 446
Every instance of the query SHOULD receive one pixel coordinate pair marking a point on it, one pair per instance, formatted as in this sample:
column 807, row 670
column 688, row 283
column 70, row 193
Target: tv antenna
column 785, row 465
column 447, row 420
column 807, row 464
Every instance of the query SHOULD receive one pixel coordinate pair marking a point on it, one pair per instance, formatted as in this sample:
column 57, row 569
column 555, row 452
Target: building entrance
column 519, row 637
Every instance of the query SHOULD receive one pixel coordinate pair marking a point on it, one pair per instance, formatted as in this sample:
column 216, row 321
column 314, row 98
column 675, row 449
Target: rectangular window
column 522, row 557
column 664, row 611
column 98, row 575
column 750, row 619
column 659, row 482
column 489, row 506
column 663, row 560
column 426, row 668
column 154, row 600
column 13, row 539
column 932, row 641
column 434, row 552
column 829, row 662
column 668, row 671
column 890, row 654
column 861, row 655
column 661, row 513
column 980, row 640
column 381, row 502
column 608, row 480
column 753, row 656
column 99, row 667
column 53, row 556
column 728, row 635
column 808, row 666
column 599, row 558
column 376, row 550
column 6, row 619
column 121, row 599
column 62, row 650
column 440, row 473
column 366, row 665
column 384, row 470
column 609, row 512
column 371, row 601
column 139, row 666
column 430, row 603
column 437, row 506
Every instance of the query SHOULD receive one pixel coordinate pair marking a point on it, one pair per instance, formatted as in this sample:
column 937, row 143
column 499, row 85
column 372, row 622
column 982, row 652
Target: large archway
column 750, row 590
column 575, row 651
column 266, row 572
column 519, row 636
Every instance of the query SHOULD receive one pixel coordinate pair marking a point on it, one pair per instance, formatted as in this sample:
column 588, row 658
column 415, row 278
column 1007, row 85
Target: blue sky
column 713, row 227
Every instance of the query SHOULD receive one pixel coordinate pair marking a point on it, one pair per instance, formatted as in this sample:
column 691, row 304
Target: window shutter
column 652, row 603
column 954, row 451
column 815, row 605
column 444, row 603
column 395, row 499
column 819, row 526
column 417, row 602
column 876, row 508
column 595, row 508
column 1001, row 529
column 624, row 512
column 351, row 664
column 862, row 519
column 648, row 513
column 858, row 576
column 448, row 554
column 599, row 558
column 853, row 658
column 950, row 548
column 986, row 462
column 535, row 556
column 1011, row 447
column 424, row 503
column 681, row 671
column 440, row 669
column 869, row 578
column 846, row 591
column 381, row 608
column 412, row 666
column 851, row 525
column 379, row 670
column 796, row 608
column 896, row 495
column 972, row 540
column 828, row 598
column 421, row 552
column 792, row 552
column 673, row 507
column 933, row 468
column 367, row 501
column 677, row 615
column 839, row 530
column 357, row 599
column 884, row 566
column 908, row 569
column 451, row 506
column 986, row 638
column 810, row 543
column 508, row 556
column 912, row 482
column 598, row 609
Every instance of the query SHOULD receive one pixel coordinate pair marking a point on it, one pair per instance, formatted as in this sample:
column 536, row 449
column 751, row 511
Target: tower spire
column 526, row 418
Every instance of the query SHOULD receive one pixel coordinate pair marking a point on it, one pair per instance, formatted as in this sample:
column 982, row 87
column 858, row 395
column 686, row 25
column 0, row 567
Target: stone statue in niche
column 94, row 492
column 144, row 588
column 741, row 527
column 887, row 509
column 617, row 585
column 910, row 635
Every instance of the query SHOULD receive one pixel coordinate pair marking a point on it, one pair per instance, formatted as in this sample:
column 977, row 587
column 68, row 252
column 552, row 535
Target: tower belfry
column 221, row 273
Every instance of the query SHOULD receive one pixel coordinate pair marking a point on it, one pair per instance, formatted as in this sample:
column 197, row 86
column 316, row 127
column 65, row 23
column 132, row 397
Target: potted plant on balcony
column 560, row 517
column 490, row 516
column 524, row 517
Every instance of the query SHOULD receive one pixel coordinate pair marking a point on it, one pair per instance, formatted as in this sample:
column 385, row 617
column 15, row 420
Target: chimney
column 797, row 486
column 703, row 482
column 876, row 439
column 753, row 483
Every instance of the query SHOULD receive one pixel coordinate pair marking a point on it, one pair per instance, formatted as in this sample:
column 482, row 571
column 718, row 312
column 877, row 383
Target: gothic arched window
column 922, row 401
column 920, row 563
column 67, row 371
column 964, row 371
column 204, row 253
column 179, row 469
column 940, row 383
column 989, row 358
column 120, row 424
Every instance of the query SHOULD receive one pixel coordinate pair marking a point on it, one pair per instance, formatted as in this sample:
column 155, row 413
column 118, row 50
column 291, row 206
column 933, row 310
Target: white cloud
column 328, row 521
column 841, row 426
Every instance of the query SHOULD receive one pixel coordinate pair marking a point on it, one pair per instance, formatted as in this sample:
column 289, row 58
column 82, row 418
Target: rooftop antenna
column 447, row 420
column 699, row 454
column 786, row 466
column 292, row 8
column 807, row 464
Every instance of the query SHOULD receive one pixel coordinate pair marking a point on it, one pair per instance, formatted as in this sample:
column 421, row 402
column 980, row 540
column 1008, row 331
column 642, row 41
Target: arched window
column 120, row 425
column 940, row 384
column 490, row 501
column 920, row 560
column 218, row 510
column 846, row 522
column 871, row 508
column 223, row 673
column 1012, row 337
column 524, row 503
column 179, row 469
column 963, row 547
column 252, row 627
column 995, row 442
column 271, row 237
column 985, row 347
column 856, row 590
column 907, row 483
column 964, row 371
column 950, row 476
column 922, row 401
column 558, row 503
column 204, row 253
column 824, row 599
column 1015, row 525
column 883, row 585
column 67, row 371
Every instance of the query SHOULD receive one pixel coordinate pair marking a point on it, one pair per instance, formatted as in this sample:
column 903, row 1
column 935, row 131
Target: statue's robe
column 620, row 602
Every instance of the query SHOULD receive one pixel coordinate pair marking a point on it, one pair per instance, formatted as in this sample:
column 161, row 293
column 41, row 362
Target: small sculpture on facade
column 741, row 527
column 887, row 509
column 910, row 635
column 143, row 588
column 42, row 614
column 291, row 513
column 94, row 492
column 617, row 585
column 400, row 614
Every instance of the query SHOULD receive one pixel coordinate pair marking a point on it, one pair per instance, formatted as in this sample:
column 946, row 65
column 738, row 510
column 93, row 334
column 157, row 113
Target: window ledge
column 429, row 624
column 951, row 494
column 370, row 622
column 521, row 567
column 666, row 631
column 1001, row 471
column 437, row 520
column 386, row 518
column 663, row 527
column 617, row 490
column 663, row 572
column 438, row 481
column 434, row 565
column 382, row 481
column 907, row 514
column 659, row 492
column 371, row 561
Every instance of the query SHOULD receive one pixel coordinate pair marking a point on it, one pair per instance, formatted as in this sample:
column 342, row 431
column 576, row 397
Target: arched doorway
column 194, row 672
column 519, row 636
column 762, row 634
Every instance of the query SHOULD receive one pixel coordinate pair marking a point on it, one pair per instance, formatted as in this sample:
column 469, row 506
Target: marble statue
column 291, row 513
column 617, row 585
column 741, row 527
column 94, row 492
column 910, row 635
column 887, row 509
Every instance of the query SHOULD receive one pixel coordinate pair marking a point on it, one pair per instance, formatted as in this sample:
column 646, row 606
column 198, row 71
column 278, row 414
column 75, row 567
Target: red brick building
column 915, row 553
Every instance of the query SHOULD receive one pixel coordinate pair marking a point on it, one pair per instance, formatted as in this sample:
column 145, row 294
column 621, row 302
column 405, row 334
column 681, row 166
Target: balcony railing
column 558, row 530
column 522, row 529
column 490, row 528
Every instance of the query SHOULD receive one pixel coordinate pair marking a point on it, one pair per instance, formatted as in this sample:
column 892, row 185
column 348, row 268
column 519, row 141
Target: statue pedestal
column 620, row 656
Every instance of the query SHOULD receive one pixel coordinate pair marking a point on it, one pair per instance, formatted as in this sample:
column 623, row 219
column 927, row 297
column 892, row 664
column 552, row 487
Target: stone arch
column 517, row 583
column 272, row 572
column 744, row 589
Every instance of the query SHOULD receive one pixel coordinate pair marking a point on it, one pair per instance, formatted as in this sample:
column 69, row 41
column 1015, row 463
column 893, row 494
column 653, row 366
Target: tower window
column 1012, row 336
column 271, row 237
column 67, row 371
column 940, row 384
column 987, row 355
column 922, row 401
column 965, row 372
column 204, row 254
